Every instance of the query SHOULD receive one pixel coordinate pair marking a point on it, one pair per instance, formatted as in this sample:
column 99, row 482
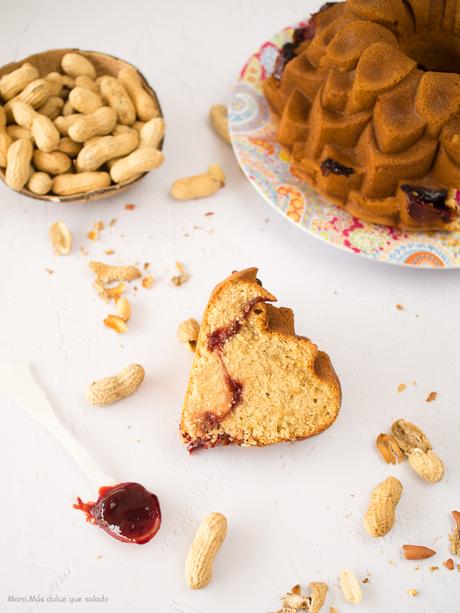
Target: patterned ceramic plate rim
column 252, row 129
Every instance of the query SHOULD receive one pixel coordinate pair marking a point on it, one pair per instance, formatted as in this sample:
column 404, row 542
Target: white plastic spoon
column 17, row 382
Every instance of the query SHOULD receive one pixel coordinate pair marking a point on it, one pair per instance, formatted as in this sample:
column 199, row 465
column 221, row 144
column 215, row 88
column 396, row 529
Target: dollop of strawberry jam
column 126, row 511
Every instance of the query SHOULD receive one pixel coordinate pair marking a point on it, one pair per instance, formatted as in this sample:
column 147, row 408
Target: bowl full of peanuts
column 77, row 126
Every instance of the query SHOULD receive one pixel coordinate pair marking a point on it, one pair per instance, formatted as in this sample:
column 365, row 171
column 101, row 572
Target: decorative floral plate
column 253, row 133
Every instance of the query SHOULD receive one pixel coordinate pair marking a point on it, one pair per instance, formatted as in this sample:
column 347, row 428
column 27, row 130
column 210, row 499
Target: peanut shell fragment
column 199, row 186
column 60, row 237
column 107, row 273
column 187, row 333
column 454, row 536
column 389, row 449
column 409, row 436
column 117, row 323
column 123, row 308
column 317, row 598
column 218, row 117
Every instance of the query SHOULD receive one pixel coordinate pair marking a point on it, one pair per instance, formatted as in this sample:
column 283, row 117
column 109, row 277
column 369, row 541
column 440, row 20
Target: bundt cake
column 253, row 381
column 368, row 99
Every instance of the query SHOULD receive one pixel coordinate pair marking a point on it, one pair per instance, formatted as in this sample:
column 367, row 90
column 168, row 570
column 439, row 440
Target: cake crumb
column 413, row 592
column 147, row 282
column 209, row 214
column 112, row 222
column 431, row 396
column 401, row 387
column 130, row 207
column 109, row 251
column 365, row 580
column 50, row 271
column 146, row 265
column 400, row 307
column 93, row 234
column 434, row 569
column 98, row 557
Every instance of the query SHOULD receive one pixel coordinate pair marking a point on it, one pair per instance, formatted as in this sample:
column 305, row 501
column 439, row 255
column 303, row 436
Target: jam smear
column 300, row 35
column 216, row 343
column 330, row 166
column 236, row 390
column 285, row 55
column 202, row 443
column 220, row 336
column 126, row 511
column 426, row 205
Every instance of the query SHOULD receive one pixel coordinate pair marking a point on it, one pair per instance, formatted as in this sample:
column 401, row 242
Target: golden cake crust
column 368, row 97
column 253, row 380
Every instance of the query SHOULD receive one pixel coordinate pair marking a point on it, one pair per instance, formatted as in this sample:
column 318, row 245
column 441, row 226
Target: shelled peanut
column 76, row 131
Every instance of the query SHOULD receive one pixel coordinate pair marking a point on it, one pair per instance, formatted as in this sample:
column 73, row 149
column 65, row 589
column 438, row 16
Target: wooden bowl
column 50, row 61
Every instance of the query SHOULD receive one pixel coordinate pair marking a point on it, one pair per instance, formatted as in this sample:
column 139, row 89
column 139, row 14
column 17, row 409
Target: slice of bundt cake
column 253, row 380
column 368, row 97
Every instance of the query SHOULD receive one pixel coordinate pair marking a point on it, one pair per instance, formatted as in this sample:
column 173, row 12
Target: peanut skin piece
column 111, row 389
column 380, row 516
column 207, row 542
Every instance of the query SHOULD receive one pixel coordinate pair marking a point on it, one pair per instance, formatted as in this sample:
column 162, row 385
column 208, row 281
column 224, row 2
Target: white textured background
column 295, row 511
